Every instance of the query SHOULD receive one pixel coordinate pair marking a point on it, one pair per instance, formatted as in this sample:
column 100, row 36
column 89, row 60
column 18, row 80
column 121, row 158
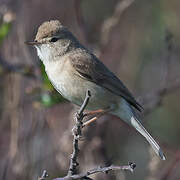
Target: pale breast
column 73, row 87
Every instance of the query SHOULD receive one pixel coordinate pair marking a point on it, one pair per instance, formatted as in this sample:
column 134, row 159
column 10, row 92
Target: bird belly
column 72, row 87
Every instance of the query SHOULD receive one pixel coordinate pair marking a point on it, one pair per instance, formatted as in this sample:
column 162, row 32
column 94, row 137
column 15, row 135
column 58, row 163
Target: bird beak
column 32, row 43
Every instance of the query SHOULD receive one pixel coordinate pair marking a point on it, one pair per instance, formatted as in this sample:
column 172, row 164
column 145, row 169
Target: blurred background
column 139, row 40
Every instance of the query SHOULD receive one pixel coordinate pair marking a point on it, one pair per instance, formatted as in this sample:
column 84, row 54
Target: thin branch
column 85, row 103
column 129, row 167
column 77, row 133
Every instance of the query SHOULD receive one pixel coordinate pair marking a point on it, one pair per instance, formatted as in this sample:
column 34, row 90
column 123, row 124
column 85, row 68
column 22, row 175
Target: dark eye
column 54, row 39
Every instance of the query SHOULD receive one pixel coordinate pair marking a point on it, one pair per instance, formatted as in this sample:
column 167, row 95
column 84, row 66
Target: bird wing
column 89, row 67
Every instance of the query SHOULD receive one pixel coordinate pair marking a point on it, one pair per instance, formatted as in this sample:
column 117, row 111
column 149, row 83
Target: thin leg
column 91, row 120
column 98, row 114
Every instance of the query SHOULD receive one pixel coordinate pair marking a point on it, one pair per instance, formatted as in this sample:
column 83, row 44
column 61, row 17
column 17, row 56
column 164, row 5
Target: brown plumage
column 94, row 70
column 73, row 70
column 48, row 29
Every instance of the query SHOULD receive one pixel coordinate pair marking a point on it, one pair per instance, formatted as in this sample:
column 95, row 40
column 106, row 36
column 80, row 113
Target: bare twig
column 129, row 167
column 77, row 134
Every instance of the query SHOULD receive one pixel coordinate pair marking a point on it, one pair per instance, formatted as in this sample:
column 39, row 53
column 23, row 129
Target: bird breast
column 71, row 86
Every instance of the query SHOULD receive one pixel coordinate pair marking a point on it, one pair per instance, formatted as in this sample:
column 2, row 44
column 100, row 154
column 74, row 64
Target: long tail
column 138, row 126
column 125, row 112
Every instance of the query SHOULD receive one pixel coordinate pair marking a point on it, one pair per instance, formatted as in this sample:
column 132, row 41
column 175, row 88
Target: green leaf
column 46, row 82
column 50, row 99
column 4, row 30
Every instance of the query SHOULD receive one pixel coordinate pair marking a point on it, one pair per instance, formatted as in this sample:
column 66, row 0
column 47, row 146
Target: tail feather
column 138, row 126
column 126, row 113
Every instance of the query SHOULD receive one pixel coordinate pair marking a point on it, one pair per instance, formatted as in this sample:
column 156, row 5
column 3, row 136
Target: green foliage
column 51, row 97
column 4, row 30
column 46, row 83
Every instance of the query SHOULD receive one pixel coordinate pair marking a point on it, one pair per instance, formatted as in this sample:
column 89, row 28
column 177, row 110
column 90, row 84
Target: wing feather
column 89, row 67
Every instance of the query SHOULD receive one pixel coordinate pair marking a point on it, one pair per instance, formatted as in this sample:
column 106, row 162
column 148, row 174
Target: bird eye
column 54, row 39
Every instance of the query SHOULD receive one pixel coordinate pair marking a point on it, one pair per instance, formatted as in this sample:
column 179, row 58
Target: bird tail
column 138, row 126
column 125, row 112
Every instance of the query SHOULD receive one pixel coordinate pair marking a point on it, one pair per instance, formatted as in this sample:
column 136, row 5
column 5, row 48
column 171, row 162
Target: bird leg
column 98, row 113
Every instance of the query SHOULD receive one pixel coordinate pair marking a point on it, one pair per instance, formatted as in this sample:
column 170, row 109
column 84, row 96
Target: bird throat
column 49, row 53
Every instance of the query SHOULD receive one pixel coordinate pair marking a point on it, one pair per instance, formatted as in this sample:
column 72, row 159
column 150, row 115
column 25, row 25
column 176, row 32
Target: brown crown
column 48, row 29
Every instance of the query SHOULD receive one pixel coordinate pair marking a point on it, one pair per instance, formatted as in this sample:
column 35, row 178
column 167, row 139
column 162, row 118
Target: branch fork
column 77, row 135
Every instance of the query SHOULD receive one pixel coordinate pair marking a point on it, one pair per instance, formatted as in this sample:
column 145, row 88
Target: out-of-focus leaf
column 4, row 30
column 46, row 82
column 49, row 99
column 53, row 97
column 46, row 99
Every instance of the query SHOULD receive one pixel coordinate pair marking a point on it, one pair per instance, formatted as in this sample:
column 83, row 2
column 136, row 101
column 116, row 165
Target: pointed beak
column 32, row 43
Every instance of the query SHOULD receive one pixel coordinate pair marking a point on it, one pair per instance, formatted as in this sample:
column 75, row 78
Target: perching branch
column 77, row 134
column 129, row 167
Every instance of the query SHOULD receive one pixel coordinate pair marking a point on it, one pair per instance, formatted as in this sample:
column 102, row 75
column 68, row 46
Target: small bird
column 73, row 69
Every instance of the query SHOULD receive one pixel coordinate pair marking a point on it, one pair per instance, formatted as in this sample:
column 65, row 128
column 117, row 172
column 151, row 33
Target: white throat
column 44, row 52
